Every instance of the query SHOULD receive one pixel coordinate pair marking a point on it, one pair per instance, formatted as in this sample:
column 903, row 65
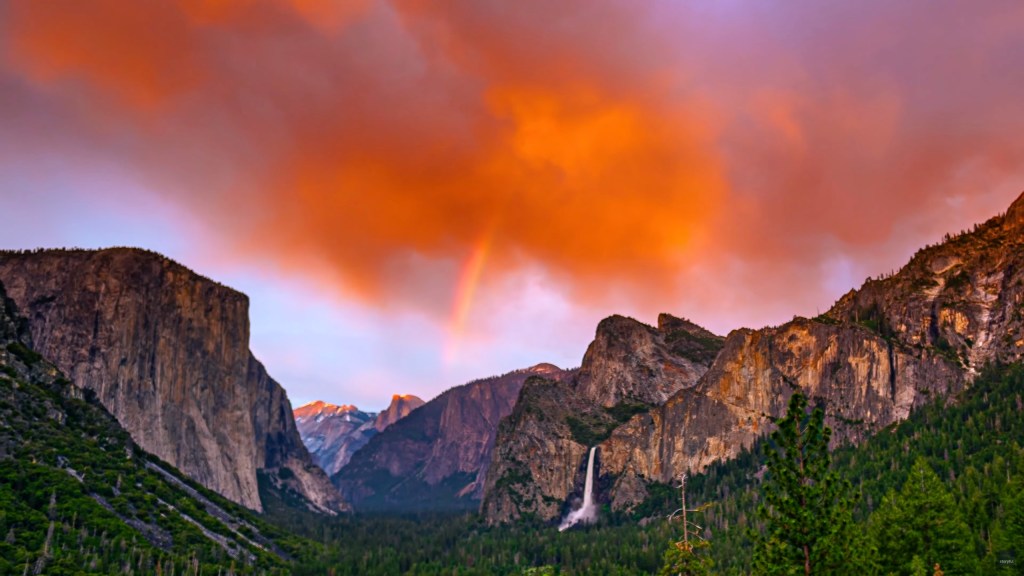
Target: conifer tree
column 808, row 526
column 686, row 559
column 686, row 556
column 922, row 520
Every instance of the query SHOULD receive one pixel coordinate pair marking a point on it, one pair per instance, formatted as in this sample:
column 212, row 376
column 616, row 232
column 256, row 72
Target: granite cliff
column 68, row 467
column 540, row 452
column 333, row 433
column 879, row 353
column 400, row 407
column 166, row 352
column 437, row 456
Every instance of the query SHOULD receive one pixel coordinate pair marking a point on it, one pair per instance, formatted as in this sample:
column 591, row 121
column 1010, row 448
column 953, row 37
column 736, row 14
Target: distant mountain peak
column 321, row 408
column 401, row 406
column 544, row 368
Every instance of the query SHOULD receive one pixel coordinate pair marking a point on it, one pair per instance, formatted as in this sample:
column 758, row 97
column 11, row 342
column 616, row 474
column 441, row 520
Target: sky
column 418, row 193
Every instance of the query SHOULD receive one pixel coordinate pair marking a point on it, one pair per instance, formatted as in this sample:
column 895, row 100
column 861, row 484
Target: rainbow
column 465, row 289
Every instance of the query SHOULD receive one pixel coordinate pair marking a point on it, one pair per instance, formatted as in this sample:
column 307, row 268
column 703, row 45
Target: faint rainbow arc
column 465, row 290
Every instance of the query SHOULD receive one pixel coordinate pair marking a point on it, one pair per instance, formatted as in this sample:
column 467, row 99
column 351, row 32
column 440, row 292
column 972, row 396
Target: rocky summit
column 879, row 353
column 333, row 433
column 629, row 368
column 400, row 407
column 167, row 353
column 438, row 456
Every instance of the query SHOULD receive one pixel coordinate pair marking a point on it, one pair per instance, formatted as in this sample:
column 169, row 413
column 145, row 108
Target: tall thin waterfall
column 587, row 512
column 588, row 486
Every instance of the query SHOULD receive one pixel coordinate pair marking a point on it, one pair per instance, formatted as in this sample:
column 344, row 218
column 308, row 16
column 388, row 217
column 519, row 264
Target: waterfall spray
column 587, row 512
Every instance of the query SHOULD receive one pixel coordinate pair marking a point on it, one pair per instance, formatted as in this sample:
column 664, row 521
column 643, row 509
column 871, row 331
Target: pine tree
column 922, row 520
column 918, row 567
column 808, row 526
column 684, row 557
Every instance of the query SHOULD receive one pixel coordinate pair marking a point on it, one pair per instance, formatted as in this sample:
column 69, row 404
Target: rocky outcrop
column 863, row 381
column 332, row 434
column 437, row 456
column 631, row 362
column 629, row 368
column 962, row 297
column 400, row 407
column 880, row 352
column 166, row 352
column 53, row 430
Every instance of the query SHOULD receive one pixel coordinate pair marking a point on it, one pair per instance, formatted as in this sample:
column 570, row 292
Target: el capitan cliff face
column 167, row 353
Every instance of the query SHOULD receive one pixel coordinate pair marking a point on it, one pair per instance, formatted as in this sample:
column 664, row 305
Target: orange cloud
column 583, row 185
column 671, row 155
column 142, row 52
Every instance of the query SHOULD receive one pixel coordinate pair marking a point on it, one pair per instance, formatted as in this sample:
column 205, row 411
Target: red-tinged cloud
column 726, row 161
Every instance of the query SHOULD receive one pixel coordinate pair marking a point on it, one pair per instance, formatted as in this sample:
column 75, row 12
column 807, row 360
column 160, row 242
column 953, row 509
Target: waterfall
column 588, row 486
column 587, row 512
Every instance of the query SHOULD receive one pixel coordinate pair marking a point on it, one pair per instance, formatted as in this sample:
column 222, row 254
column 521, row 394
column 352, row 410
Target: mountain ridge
column 629, row 368
column 437, row 456
column 333, row 433
column 881, row 351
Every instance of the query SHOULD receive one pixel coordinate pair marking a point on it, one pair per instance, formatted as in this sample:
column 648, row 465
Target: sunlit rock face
column 400, row 407
column 167, row 353
column 880, row 352
column 332, row 433
column 629, row 361
column 863, row 381
column 962, row 297
column 436, row 457
column 630, row 367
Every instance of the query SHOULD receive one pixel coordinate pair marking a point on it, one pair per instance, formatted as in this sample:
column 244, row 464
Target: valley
column 544, row 469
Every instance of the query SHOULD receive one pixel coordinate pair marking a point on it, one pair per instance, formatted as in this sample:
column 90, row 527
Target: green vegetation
column 686, row 554
column 826, row 319
column 589, row 430
column 28, row 356
column 805, row 509
column 78, row 497
column 957, row 282
column 463, row 545
column 921, row 525
column 592, row 428
column 686, row 559
column 923, row 281
column 696, row 347
column 944, row 488
column 947, row 350
column 973, row 498
column 873, row 318
column 623, row 411
column 975, row 446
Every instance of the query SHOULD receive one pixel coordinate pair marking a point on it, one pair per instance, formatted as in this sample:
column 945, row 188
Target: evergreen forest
column 945, row 487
